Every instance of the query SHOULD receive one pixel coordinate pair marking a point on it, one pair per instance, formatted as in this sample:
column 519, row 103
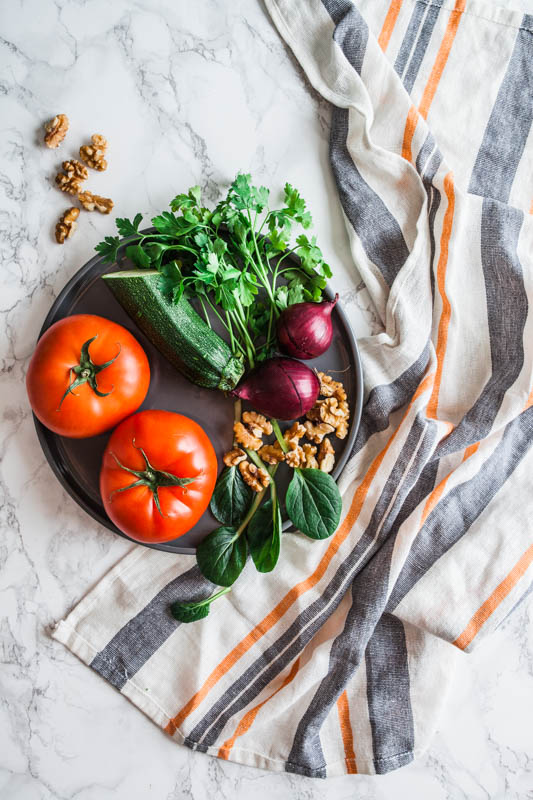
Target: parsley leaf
column 127, row 228
column 108, row 249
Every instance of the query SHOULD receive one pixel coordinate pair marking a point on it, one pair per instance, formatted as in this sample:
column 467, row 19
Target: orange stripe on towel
column 444, row 322
column 493, row 601
column 248, row 719
column 433, row 80
column 442, row 57
column 389, row 23
column 410, row 127
column 346, row 733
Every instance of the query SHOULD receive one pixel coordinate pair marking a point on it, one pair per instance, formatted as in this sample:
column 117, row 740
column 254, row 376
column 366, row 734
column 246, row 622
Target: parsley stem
column 279, row 436
column 234, row 341
column 206, row 315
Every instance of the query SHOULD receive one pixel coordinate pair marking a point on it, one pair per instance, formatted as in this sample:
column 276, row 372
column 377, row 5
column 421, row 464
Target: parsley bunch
column 232, row 258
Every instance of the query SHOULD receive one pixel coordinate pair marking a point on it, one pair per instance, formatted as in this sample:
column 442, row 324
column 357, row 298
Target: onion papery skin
column 305, row 329
column 282, row 388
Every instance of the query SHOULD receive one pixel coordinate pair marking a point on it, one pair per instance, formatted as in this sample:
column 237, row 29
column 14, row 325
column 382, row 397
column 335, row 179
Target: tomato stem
column 153, row 479
column 86, row 372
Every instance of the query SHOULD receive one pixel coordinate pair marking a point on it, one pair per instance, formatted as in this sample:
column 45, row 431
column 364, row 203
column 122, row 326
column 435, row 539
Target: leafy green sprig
column 224, row 257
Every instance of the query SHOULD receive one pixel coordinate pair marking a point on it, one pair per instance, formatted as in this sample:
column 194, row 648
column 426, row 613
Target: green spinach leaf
column 264, row 536
column 313, row 503
column 196, row 609
column 221, row 556
column 231, row 497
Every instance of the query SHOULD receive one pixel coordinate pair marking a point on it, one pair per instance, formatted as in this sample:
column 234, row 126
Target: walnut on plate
column 271, row 453
column 256, row 421
column 234, row 457
column 55, row 130
column 255, row 477
column 93, row 202
column 331, row 388
column 326, row 456
column 293, row 435
column 246, row 437
column 302, row 456
column 67, row 225
column 316, row 432
column 93, row 154
column 309, row 451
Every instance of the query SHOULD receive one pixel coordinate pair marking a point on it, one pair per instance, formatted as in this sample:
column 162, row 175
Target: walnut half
column 93, row 154
column 255, row 477
column 234, row 457
column 55, row 130
column 255, row 420
column 315, row 433
column 67, row 225
column 326, row 456
column 247, row 436
column 93, row 202
column 71, row 179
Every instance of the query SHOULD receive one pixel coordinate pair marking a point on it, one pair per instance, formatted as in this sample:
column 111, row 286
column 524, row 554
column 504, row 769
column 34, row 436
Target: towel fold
column 339, row 660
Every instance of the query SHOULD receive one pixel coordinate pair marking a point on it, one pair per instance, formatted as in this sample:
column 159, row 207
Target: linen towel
column 338, row 661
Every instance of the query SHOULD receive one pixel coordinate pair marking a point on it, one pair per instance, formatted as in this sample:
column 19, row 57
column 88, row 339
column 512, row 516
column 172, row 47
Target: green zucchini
column 178, row 332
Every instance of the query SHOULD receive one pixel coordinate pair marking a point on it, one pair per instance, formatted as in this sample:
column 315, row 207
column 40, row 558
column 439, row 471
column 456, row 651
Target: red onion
column 281, row 388
column 305, row 329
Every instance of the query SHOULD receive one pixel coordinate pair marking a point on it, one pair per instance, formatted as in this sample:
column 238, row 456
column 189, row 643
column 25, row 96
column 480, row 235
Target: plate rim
column 48, row 440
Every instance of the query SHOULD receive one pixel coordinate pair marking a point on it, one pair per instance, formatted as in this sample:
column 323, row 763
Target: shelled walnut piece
column 93, row 154
column 333, row 410
column 326, row 456
column 331, row 388
column 257, row 421
column 271, row 453
column 255, row 477
column 67, row 225
column 72, row 177
column 250, row 432
column 310, row 461
column 93, row 202
column 234, row 457
column 56, row 130
column 315, row 432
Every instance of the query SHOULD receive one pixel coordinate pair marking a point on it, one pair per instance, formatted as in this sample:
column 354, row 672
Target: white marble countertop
column 186, row 93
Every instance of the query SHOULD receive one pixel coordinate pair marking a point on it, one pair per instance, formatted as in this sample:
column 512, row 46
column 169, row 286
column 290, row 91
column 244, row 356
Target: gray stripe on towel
column 463, row 504
column 351, row 31
column 507, row 309
column 143, row 635
column 509, row 123
column 413, row 69
column 379, row 231
column 369, row 596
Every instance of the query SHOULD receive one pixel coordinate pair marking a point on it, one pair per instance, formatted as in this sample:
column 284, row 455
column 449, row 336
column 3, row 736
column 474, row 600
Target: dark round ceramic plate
column 76, row 462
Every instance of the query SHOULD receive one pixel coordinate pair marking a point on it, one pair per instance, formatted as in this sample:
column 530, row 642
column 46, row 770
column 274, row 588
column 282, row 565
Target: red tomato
column 94, row 357
column 146, row 459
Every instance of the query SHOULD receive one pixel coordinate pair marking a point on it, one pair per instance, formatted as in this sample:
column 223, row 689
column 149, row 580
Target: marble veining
column 186, row 93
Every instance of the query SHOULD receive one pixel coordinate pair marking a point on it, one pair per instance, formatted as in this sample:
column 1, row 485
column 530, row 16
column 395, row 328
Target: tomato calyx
column 86, row 372
column 154, row 479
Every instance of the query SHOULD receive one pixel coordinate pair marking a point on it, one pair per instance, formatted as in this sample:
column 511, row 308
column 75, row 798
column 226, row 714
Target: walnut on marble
column 67, row 224
column 93, row 202
column 72, row 177
column 55, row 130
column 94, row 154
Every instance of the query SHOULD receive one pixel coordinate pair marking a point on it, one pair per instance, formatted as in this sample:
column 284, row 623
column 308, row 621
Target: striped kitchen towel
column 338, row 661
